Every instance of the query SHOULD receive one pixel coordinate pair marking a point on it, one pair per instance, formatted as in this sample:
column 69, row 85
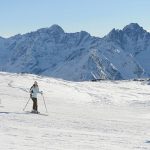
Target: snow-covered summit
column 56, row 28
column 133, row 26
column 133, row 31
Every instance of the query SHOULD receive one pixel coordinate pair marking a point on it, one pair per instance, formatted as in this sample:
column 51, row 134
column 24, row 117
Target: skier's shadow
column 6, row 112
column 23, row 113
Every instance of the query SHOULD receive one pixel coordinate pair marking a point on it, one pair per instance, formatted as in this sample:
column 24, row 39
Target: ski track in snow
column 102, row 115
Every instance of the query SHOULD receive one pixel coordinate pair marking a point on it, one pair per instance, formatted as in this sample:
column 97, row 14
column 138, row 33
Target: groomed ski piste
column 105, row 115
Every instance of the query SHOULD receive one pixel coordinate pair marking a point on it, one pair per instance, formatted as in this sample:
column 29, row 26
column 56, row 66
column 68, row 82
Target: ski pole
column 44, row 103
column 26, row 105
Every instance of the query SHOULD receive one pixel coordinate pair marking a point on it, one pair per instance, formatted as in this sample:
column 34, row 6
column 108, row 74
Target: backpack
column 31, row 91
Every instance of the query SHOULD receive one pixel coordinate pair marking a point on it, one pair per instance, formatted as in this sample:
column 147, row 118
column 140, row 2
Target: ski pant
column 35, row 106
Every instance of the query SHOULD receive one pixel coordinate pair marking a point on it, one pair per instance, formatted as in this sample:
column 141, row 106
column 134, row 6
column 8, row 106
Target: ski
column 30, row 112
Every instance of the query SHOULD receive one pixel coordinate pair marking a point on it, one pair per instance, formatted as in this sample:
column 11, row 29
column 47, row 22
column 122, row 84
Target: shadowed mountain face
column 122, row 54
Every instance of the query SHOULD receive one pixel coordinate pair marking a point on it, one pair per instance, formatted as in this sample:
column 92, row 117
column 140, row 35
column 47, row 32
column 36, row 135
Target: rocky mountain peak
column 56, row 28
column 133, row 26
column 134, row 29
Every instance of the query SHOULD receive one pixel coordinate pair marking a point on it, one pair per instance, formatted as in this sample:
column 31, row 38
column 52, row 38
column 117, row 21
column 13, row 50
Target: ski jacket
column 34, row 90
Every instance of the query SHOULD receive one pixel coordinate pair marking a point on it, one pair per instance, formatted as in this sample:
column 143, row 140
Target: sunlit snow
column 105, row 115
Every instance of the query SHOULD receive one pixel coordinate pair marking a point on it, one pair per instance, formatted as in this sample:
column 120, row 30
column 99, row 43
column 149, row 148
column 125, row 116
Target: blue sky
column 97, row 17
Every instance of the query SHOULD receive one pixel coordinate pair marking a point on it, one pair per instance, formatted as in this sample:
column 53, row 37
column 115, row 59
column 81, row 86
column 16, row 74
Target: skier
column 34, row 90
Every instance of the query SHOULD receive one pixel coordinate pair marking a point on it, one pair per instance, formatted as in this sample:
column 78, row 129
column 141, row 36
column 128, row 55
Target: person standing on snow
column 34, row 90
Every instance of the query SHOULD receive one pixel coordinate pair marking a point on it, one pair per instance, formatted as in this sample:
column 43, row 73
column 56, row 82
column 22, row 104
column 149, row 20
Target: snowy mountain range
column 122, row 54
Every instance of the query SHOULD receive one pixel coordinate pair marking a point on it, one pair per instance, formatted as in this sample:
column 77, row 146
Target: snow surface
column 106, row 115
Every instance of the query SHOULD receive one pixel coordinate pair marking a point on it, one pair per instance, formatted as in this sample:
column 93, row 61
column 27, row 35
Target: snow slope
column 106, row 115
